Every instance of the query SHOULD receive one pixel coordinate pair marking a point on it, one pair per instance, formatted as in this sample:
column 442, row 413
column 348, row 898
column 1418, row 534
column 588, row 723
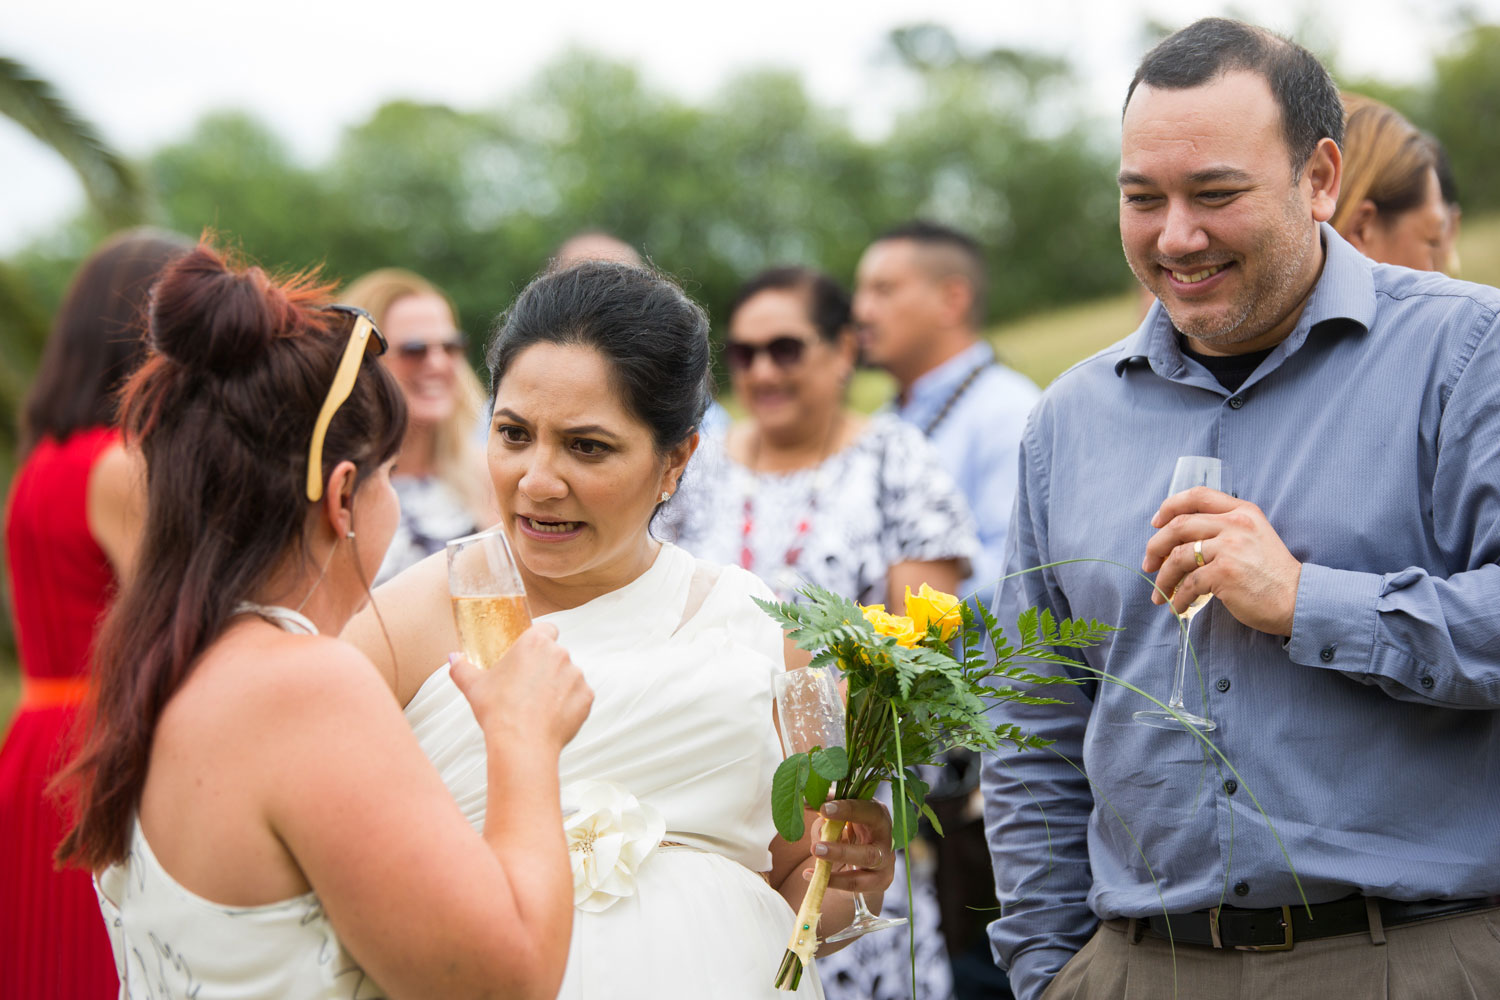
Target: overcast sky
column 144, row 71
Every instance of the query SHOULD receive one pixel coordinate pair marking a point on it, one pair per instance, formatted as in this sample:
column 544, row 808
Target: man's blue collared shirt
column 977, row 443
column 1370, row 438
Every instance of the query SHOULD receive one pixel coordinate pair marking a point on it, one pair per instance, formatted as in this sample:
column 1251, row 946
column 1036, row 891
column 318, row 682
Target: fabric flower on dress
column 610, row 836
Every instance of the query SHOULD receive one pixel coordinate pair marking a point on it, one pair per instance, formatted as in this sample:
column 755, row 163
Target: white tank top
column 172, row 943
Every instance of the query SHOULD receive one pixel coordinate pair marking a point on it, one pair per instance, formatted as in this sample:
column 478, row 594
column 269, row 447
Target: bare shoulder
column 407, row 628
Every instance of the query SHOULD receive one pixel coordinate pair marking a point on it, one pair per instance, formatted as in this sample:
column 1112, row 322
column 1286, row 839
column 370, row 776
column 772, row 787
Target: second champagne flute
column 1191, row 470
column 489, row 600
column 811, row 713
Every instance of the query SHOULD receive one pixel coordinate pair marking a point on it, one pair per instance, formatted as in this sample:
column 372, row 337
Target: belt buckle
column 1286, row 927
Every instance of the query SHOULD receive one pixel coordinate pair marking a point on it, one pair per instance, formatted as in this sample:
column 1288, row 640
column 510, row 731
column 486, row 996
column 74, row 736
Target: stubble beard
column 1280, row 255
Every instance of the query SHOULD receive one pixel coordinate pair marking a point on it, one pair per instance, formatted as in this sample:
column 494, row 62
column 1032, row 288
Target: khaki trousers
column 1444, row 958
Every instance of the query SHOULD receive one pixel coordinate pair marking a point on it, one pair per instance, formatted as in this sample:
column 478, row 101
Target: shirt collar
column 1344, row 291
column 930, row 391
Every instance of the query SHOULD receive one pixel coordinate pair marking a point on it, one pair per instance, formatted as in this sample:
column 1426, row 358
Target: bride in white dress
column 681, row 886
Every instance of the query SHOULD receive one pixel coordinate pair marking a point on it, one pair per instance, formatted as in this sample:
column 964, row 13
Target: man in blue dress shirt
column 919, row 304
column 1351, row 656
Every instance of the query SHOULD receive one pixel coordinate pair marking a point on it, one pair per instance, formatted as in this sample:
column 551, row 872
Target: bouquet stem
column 804, row 942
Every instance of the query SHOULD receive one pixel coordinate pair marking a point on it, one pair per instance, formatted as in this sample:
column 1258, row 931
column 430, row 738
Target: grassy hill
column 1044, row 345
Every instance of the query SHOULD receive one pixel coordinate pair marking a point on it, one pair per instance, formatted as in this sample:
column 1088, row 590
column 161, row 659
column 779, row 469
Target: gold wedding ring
column 1198, row 552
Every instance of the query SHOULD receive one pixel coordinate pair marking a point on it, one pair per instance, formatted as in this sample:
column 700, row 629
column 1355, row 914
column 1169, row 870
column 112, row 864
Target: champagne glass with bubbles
column 811, row 713
column 1192, row 470
column 489, row 601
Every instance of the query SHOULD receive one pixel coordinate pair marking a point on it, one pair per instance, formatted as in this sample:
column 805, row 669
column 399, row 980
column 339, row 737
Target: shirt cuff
column 1333, row 625
column 1032, row 971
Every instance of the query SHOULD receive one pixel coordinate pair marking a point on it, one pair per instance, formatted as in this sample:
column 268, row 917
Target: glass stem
column 861, row 911
column 1183, row 647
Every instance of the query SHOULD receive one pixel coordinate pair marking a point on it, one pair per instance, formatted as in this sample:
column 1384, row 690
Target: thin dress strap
column 285, row 618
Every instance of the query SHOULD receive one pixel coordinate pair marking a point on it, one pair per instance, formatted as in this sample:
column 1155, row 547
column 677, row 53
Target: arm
column 425, row 906
column 115, row 508
column 1421, row 633
column 940, row 574
column 1036, row 804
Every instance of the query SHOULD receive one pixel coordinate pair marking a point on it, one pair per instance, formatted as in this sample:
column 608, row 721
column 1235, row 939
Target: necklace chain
column 954, row 397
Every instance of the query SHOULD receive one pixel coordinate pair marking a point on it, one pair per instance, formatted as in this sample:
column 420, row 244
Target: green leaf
column 787, row 790
column 831, row 763
column 904, row 823
column 815, row 792
column 932, row 818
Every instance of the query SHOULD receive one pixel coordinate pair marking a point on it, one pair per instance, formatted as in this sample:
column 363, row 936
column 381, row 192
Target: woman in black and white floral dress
column 808, row 491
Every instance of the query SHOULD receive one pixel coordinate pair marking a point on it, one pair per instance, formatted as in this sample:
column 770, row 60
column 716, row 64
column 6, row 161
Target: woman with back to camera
column 1390, row 206
column 261, row 820
column 72, row 525
column 599, row 380
column 440, row 476
column 808, row 491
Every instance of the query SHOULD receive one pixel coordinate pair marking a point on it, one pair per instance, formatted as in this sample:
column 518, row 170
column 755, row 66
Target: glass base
column 862, row 927
column 1182, row 722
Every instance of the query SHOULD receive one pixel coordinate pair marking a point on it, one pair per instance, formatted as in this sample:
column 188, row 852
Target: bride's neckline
column 287, row 619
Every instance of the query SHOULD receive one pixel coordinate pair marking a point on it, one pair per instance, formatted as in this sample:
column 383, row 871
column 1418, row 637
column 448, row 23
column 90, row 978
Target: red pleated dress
column 52, row 938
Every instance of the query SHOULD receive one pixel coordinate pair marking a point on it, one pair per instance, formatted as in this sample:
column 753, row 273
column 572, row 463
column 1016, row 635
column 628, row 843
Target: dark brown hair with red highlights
column 223, row 411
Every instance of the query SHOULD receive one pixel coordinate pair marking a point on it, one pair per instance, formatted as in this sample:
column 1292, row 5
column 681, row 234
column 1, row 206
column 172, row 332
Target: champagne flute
column 1191, row 470
column 489, row 601
column 811, row 712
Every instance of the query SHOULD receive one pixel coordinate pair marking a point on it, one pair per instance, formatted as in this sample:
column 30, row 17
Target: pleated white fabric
column 682, row 721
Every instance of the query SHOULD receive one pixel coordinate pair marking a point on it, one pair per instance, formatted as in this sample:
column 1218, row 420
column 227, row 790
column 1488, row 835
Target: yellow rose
column 899, row 627
column 933, row 607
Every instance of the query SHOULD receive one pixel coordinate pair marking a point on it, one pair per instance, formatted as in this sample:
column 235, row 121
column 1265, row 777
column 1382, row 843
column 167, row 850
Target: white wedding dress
column 674, row 763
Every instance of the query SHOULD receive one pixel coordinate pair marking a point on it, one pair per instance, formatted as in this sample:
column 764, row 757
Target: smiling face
column 428, row 379
column 1211, row 219
column 577, row 475
column 799, row 397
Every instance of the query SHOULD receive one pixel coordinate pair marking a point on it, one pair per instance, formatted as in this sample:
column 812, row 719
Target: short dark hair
column 828, row 304
column 654, row 336
column 1311, row 109
column 965, row 257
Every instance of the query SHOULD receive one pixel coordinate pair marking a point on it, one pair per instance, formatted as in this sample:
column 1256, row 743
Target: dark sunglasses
column 784, row 352
column 417, row 350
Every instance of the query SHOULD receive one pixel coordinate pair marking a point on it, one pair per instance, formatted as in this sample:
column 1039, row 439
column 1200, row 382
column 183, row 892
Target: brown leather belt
column 1279, row 928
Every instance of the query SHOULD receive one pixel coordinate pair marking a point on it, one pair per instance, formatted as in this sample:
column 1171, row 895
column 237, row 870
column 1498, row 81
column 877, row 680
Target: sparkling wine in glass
column 1192, row 470
column 811, row 713
column 489, row 601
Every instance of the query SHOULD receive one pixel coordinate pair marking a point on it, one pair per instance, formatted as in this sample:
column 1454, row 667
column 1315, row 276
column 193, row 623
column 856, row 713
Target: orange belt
column 52, row 692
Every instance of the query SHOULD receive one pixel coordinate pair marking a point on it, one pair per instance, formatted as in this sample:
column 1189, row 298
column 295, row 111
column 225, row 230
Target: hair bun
column 211, row 316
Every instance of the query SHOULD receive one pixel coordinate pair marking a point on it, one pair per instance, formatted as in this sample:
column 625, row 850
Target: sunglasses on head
column 362, row 330
column 417, row 350
column 783, row 351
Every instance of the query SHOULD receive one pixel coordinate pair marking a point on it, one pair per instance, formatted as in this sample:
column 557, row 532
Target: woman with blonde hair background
column 440, row 478
column 1390, row 206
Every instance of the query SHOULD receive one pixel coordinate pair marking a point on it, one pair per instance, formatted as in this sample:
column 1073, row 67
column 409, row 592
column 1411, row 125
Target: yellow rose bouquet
column 918, row 685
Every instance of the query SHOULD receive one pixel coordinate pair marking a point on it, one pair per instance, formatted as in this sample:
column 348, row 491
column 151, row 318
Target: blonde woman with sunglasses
column 440, row 476
column 260, row 819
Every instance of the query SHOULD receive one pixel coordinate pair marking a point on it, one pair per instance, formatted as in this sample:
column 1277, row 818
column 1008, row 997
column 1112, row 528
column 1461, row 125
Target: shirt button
column 1231, row 786
column 1327, row 655
column 1242, row 888
column 1222, row 683
column 1427, row 682
column 1235, row 402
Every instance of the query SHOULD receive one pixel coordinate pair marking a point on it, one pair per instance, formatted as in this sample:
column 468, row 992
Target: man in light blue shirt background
column 1351, row 655
column 919, row 303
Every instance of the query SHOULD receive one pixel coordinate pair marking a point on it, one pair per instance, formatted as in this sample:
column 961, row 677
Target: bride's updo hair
column 223, row 412
column 655, row 337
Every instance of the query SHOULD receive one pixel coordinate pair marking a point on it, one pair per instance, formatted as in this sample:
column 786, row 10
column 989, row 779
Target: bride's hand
column 534, row 696
column 863, row 861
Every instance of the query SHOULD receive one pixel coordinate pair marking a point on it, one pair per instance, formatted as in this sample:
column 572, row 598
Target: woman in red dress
column 70, row 532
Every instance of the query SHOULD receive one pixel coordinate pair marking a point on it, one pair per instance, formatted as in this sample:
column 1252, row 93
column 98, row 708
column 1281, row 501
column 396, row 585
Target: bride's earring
column 665, row 496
